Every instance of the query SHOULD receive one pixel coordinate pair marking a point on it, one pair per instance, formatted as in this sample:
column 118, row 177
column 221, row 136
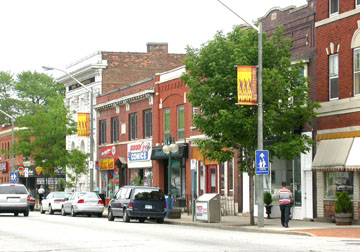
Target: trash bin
column 208, row 208
column 167, row 205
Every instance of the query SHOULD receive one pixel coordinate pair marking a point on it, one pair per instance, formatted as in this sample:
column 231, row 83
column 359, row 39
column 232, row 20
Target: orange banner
column 83, row 125
column 106, row 164
column 247, row 85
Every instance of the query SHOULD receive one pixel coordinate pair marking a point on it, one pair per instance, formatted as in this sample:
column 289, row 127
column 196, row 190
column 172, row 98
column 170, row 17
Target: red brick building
column 337, row 159
column 5, row 159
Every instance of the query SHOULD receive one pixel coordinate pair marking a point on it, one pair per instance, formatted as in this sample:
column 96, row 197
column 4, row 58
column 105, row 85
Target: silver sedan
column 86, row 203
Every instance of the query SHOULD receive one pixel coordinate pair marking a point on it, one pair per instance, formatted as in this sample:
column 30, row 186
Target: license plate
column 148, row 206
column 13, row 200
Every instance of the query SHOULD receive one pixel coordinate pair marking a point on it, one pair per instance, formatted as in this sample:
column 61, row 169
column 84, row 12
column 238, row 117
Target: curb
column 239, row 229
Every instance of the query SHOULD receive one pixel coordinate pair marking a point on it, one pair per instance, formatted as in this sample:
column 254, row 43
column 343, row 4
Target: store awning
column 332, row 155
column 158, row 154
column 353, row 160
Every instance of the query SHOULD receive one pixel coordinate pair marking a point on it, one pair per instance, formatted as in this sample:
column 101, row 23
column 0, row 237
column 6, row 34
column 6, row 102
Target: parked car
column 53, row 202
column 14, row 198
column 86, row 203
column 31, row 203
column 138, row 202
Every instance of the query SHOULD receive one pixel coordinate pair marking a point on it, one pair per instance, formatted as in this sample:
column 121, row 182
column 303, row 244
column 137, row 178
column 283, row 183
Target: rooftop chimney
column 157, row 46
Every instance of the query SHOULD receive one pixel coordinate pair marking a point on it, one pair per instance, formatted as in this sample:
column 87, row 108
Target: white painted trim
column 337, row 17
column 338, row 107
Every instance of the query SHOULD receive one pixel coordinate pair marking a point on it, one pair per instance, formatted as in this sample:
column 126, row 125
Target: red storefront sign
column 108, row 151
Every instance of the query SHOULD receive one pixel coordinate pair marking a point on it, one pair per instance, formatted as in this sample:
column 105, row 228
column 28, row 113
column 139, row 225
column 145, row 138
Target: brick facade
column 129, row 67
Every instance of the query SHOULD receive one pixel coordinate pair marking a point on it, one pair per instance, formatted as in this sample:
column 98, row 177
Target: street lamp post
column 12, row 139
column 170, row 147
column 260, row 185
column 91, row 122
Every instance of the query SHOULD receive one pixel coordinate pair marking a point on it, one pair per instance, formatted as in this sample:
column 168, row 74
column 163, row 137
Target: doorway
column 211, row 179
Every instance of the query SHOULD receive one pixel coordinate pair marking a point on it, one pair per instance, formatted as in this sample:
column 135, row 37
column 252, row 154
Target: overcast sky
column 58, row 32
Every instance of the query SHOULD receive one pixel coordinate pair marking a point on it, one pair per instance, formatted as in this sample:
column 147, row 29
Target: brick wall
column 129, row 67
column 339, row 121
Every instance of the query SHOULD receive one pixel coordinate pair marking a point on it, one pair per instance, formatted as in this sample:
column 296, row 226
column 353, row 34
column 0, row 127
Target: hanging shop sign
column 106, row 164
column 4, row 167
column 83, row 125
column 139, row 154
column 108, row 151
column 247, row 85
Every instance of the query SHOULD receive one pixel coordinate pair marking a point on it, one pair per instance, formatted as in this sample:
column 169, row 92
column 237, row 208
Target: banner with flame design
column 83, row 125
column 247, row 85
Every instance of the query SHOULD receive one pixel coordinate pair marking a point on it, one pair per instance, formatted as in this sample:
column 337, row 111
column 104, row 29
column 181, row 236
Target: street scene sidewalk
column 298, row 227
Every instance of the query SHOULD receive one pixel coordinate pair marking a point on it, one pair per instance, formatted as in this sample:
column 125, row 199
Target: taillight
column 59, row 200
column 131, row 205
column 101, row 202
column 165, row 207
column 81, row 201
column 28, row 199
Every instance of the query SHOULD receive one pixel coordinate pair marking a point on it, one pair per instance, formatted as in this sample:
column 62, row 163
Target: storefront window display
column 338, row 182
column 178, row 178
column 141, row 177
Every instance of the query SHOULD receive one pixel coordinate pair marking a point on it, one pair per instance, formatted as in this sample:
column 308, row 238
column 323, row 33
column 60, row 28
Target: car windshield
column 88, row 196
column 148, row 194
column 61, row 195
column 12, row 190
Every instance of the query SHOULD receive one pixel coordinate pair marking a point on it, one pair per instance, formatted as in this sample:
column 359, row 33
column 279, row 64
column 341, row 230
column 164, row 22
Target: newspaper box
column 208, row 207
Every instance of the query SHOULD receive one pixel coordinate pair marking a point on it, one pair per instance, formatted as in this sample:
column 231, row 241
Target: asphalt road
column 58, row 233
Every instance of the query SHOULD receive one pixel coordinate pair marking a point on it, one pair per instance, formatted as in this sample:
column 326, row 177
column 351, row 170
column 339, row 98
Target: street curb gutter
column 239, row 229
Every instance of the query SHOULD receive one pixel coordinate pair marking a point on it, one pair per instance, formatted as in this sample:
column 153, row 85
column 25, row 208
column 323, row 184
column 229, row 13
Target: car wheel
column 110, row 215
column 32, row 208
column 126, row 217
column 16, row 214
column 161, row 220
column 73, row 214
column 51, row 211
column 41, row 209
column 63, row 211
column 88, row 215
column 26, row 213
column 141, row 220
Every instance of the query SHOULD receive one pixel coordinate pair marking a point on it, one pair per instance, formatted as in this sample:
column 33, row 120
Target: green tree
column 37, row 102
column 211, row 77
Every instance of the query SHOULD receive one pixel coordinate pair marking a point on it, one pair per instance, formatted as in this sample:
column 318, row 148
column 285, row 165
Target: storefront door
column 211, row 179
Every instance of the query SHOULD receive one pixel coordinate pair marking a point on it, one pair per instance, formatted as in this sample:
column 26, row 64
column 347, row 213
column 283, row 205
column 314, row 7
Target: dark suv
column 138, row 202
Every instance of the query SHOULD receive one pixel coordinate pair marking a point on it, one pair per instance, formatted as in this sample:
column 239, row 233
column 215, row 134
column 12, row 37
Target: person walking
column 41, row 192
column 285, row 196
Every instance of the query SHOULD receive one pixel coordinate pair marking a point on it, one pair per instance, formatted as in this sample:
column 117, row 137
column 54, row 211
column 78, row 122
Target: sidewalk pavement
column 297, row 227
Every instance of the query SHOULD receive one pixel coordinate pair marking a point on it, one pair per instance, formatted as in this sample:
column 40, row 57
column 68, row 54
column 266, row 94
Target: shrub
column 267, row 198
column 343, row 203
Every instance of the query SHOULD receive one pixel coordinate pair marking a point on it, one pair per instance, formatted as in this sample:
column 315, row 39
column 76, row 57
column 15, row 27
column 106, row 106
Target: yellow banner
column 83, row 125
column 247, row 85
column 106, row 164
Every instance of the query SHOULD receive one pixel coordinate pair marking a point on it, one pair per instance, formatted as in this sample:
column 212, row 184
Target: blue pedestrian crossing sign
column 262, row 162
column 13, row 177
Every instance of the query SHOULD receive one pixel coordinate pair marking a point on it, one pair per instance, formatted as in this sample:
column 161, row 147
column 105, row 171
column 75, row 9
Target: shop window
column 115, row 129
column 334, row 7
column 201, row 178
column 166, row 123
column 231, row 177
column 102, row 130
column 147, row 123
column 338, row 182
column 180, row 122
column 357, row 71
column 222, row 179
column 133, row 126
column 178, row 178
column 334, row 76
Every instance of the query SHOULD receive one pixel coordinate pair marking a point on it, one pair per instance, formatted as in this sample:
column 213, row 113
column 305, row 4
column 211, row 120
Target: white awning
column 353, row 160
column 332, row 154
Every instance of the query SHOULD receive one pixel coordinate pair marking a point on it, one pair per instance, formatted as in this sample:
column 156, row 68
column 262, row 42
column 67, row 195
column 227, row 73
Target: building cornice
column 338, row 107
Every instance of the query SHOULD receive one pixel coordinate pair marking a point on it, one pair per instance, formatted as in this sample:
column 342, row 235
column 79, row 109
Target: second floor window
column 166, row 123
column 147, row 123
column 102, row 134
column 180, row 122
column 334, row 7
column 357, row 71
column 357, row 3
column 115, row 129
column 334, row 76
column 133, row 126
